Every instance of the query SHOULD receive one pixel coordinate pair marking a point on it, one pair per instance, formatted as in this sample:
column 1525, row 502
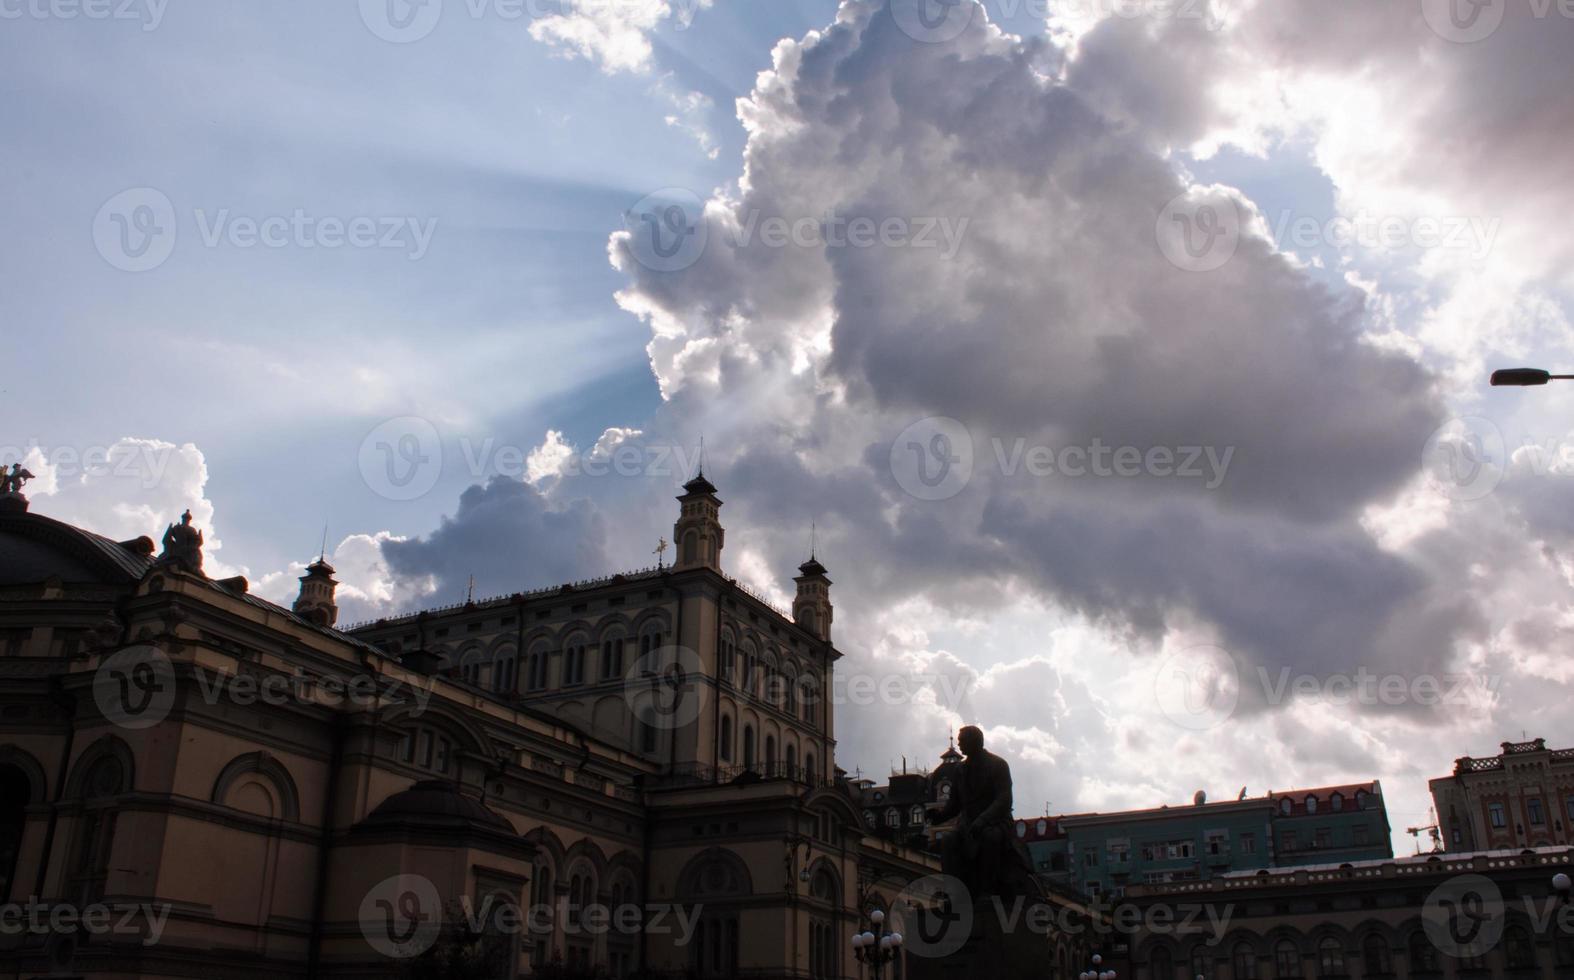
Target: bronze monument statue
column 983, row 852
column 981, row 932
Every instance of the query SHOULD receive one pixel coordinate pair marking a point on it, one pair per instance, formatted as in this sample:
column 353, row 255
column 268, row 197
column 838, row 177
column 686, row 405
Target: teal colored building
column 1106, row 852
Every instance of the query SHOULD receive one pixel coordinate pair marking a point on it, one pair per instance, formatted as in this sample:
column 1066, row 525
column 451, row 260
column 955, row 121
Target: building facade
column 1479, row 916
column 253, row 791
column 1108, row 852
column 1522, row 797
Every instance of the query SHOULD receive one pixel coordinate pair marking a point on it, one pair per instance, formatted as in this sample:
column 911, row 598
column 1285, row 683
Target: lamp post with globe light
column 1097, row 972
column 877, row 947
column 1561, row 885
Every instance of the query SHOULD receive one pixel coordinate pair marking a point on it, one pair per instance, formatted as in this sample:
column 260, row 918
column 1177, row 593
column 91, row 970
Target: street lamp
column 879, row 947
column 1561, row 885
column 1096, row 973
column 1525, row 377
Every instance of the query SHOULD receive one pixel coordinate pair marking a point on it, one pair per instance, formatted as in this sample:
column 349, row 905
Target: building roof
column 34, row 548
column 1324, row 794
column 434, row 803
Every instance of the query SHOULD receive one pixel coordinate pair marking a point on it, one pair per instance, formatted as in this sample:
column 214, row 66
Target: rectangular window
column 1496, row 815
column 1536, row 814
column 1090, row 857
column 1218, row 841
column 1248, row 843
column 1289, row 841
column 1362, row 835
column 1570, row 807
column 1323, row 837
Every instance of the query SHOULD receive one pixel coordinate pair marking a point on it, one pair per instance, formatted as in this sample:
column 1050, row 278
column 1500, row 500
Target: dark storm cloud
column 510, row 537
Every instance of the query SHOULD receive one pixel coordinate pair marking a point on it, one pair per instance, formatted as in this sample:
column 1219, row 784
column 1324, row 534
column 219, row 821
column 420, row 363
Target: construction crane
column 1432, row 830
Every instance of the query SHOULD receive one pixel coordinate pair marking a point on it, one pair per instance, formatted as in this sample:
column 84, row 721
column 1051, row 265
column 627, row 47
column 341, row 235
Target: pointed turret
column 698, row 532
column 316, row 602
column 811, row 607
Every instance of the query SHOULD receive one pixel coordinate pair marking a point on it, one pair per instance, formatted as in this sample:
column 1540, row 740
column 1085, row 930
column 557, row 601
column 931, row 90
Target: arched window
column 1311, row 804
column 790, row 691
column 748, row 746
column 893, row 818
column 16, row 792
column 1518, row 950
column 770, row 754
column 915, row 816
column 1336, row 801
column 1423, row 955
column 1161, row 965
column 1199, row 962
column 726, row 739
column 574, row 661
column 809, row 774
column 105, row 779
column 806, row 697
column 1244, row 961
column 1375, row 957
column 536, row 669
column 651, row 641
column 505, row 670
column 1330, row 958
column 611, row 657
column 691, row 547
column 470, row 665
column 1287, row 959
column 426, row 748
column 729, row 653
column 751, row 667
column 792, row 762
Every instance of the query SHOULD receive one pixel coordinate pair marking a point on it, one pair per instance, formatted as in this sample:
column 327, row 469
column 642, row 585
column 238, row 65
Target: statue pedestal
column 992, row 950
column 13, row 503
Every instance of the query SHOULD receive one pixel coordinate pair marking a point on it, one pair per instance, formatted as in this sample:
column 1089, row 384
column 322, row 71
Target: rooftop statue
column 14, row 480
column 183, row 545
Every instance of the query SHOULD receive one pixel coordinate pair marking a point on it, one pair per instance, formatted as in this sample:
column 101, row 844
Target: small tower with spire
column 698, row 533
column 316, row 603
column 811, row 607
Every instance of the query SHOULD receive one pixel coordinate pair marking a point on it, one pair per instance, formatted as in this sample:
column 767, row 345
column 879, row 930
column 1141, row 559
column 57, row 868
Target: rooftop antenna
column 322, row 555
column 470, row 592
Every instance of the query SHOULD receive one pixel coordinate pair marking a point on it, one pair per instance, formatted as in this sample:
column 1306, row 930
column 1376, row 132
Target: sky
column 1127, row 358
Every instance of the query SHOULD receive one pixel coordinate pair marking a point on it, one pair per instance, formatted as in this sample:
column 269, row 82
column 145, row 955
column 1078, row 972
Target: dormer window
column 1336, row 801
column 1311, row 804
column 1285, row 806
